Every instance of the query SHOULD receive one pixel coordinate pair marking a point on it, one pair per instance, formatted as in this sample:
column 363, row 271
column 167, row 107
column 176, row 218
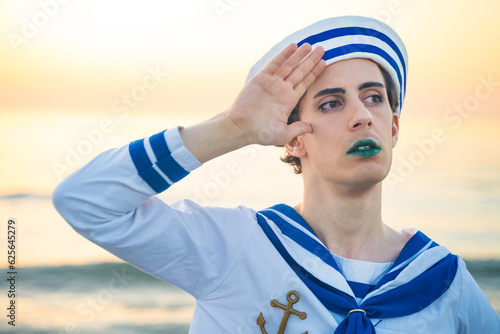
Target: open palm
column 262, row 108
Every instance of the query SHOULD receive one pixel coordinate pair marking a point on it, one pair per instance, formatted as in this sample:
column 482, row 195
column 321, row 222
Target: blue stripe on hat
column 366, row 48
column 349, row 31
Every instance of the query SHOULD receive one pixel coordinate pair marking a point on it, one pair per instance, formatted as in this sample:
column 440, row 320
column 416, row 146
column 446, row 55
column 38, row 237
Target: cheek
column 322, row 144
column 386, row 130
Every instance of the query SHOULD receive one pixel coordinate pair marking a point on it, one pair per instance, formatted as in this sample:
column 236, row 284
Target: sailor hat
column 349, row 37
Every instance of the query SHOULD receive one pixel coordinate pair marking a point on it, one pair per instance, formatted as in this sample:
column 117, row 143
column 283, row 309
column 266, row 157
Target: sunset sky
column 66, row 66
column 67, row 69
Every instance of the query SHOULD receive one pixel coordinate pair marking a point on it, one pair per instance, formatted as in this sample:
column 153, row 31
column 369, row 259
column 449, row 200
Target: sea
column 116, row 298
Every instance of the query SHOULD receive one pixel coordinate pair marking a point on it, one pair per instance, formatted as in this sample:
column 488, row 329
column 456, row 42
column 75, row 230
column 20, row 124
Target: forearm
column 213, row 138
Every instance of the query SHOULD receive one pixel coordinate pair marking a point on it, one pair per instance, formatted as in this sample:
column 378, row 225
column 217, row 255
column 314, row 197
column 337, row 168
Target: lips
column 364, row 147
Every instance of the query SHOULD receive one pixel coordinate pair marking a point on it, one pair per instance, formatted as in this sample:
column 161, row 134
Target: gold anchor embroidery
column 292, row 297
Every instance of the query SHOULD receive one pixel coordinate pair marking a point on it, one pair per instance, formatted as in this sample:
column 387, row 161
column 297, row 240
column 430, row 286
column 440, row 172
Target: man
column 327, row 265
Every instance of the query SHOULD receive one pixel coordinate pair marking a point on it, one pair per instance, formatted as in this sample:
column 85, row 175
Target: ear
column 395, row 129
column 295, row 147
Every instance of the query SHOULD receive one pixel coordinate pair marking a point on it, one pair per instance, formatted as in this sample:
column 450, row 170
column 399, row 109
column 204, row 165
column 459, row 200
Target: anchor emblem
column 292, row 297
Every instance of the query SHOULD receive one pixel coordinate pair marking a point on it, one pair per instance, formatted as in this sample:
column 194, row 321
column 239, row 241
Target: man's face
column 354, row 129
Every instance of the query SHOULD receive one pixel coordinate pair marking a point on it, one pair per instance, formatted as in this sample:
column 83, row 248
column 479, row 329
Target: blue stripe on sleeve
column 159, row 145
column 139, row 155
column 171, row 168
column 154, row 180
column 144, row 166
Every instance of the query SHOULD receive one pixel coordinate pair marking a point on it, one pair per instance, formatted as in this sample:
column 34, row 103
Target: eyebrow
column 370, row 84
column 328, row 91
column 365, row 85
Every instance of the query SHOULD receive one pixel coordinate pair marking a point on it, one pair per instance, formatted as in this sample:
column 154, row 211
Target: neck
column 349, row 223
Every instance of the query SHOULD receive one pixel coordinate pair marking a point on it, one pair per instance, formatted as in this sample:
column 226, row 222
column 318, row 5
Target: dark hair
column 392, row 95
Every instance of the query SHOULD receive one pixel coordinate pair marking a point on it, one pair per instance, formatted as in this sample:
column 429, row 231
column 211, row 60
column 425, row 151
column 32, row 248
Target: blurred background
column 78, row 78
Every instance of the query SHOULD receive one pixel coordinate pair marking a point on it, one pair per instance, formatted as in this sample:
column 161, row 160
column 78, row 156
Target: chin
column 368, row 176
column 367, row 181
column 364, row 173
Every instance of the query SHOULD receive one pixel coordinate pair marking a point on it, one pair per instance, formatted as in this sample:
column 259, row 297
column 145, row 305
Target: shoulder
column 237, row 213
column 235, row 222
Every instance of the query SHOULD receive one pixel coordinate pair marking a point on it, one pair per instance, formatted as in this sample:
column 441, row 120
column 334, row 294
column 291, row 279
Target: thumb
column 298, row 128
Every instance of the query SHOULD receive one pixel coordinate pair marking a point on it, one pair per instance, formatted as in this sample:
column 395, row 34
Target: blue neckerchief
column 395, row 302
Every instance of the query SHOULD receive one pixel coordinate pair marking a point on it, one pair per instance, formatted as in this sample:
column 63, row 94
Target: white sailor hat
column 349, row 37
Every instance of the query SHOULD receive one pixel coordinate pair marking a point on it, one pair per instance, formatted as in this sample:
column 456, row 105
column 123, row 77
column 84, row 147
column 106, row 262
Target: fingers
column 304, row 84
column 308, row 69
column 293, row 61
column 291, row 66
column 274, row 65
column 297, row 129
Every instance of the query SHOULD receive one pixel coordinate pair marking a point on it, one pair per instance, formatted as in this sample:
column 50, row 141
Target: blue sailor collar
column 422, row 265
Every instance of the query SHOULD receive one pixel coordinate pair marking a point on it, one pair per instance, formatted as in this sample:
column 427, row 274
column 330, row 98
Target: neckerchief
column 422, row 266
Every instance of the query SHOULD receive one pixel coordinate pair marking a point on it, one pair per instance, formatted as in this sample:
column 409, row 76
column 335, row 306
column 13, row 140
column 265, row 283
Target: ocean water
column 118, row 298
column 98, row 298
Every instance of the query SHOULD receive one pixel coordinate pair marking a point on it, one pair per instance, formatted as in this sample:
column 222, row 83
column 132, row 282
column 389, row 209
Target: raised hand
column 261, row 110
column 259, row 115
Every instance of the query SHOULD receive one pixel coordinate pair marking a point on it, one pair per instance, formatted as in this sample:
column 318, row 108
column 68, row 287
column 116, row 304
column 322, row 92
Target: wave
column 484, row 267
column 71, row 288
column 86, row 277
column 487, row 275
column 20, row 196
column 112, row 329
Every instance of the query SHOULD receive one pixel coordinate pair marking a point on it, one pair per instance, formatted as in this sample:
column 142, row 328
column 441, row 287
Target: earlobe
column 295, row 147
column 395, row 129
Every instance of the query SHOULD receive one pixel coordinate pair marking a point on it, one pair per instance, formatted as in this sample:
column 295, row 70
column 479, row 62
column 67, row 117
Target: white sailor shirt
column 225, row 260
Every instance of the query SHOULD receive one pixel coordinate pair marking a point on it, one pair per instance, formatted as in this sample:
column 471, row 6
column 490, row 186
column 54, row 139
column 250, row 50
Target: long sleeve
column 111, row 202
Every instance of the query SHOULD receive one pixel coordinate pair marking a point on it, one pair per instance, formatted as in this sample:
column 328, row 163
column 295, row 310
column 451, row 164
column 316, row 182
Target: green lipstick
column 364, row 148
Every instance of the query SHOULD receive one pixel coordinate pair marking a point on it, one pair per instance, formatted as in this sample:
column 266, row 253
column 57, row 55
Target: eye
column 330, row 105
column 375, row 99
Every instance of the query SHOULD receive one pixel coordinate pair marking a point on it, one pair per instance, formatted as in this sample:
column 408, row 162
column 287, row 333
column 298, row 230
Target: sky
column 80, row 77
column 82, row 54
column 68, row 65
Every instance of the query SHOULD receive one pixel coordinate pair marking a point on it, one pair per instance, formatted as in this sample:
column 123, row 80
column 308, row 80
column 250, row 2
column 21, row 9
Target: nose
column 360, row 117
